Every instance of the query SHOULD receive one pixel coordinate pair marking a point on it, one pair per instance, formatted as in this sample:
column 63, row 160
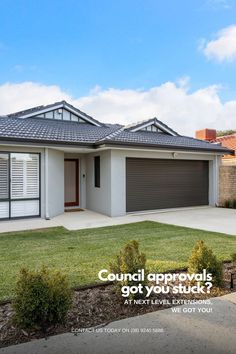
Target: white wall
column 55, row 182
column 214, row 170
column 99, row 199
column 118, row 174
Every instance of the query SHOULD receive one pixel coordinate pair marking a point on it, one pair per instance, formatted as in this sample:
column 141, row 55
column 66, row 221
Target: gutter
column 45, row 142
column 107, row 143
column 110, row 143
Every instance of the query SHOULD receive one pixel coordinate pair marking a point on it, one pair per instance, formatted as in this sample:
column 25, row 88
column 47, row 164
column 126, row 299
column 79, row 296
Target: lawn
column 81, row 254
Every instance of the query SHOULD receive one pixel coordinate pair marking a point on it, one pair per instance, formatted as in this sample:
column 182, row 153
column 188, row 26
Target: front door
column 71, row 182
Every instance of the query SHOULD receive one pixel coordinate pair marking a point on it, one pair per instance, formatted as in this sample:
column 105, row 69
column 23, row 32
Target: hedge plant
column 43, row 298
column 129, row 260
column 202, row 258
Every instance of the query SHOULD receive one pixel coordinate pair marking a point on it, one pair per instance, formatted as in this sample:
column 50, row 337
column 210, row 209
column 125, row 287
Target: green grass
column 81, row 254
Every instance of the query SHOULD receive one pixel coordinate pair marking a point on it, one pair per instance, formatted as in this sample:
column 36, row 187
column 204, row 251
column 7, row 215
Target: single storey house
column 55, row 157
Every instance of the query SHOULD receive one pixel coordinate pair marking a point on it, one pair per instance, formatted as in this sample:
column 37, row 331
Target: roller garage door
column 158, row 184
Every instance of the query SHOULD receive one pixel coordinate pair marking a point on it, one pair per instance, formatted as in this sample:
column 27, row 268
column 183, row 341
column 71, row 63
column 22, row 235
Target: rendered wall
column 55, row 182
column 99, row 199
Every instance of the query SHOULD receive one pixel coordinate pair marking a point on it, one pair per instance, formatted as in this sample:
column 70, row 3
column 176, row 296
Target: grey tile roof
column 161, row 140
column 40, row 129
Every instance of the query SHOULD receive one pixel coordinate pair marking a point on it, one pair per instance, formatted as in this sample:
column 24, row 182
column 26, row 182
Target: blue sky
column 120, row 44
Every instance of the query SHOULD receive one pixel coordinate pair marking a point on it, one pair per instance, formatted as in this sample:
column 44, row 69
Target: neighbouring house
column 55, row 157
column 227, row 179
column 228, row 141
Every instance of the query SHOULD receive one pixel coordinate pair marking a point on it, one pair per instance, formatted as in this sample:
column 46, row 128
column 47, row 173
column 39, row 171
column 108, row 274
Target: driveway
column 163, row 332
column 205, row 218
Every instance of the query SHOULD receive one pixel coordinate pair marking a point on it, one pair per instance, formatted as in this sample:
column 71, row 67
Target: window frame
column 10, row 199
column 97, row 171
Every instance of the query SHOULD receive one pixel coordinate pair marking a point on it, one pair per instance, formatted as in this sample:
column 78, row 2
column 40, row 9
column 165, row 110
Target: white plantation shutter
column 24, row 208
column 24, row 176
column 32, row 172
column 17, row 178
column 4, row 176
column 23, row 183
column 4, row 210
column 4, row 185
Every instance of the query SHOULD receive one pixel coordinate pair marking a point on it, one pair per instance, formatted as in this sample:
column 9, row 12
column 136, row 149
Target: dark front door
column 158, row 184
column 71, row 180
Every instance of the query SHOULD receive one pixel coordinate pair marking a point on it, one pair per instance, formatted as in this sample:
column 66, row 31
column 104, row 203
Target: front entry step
column 68, row 210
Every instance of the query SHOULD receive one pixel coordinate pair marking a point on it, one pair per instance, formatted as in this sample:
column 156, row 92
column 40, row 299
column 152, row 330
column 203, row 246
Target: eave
column 163, row 147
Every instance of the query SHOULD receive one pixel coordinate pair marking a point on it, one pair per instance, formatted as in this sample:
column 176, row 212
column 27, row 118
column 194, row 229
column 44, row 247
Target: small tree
column 202, row 258
column 129, row 260
column 43, row 298
column 225, row 132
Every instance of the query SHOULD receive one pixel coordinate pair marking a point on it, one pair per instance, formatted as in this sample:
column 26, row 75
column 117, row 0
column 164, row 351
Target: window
column 62, row 114
column 97, row 171
column 152, row 128
column 4, row 186
column 19, row 185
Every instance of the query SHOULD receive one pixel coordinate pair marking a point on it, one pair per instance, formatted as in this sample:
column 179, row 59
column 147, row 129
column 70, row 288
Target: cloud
column 219, row 4
column 223, row 48
column 172, row 103
column 15, row 97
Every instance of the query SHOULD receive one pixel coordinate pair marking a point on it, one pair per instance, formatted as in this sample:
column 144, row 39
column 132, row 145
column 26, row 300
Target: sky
column 122, row 61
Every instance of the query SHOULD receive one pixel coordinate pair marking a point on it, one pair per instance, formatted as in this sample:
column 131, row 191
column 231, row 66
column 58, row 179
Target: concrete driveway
column 161, row 332
column 205, row 218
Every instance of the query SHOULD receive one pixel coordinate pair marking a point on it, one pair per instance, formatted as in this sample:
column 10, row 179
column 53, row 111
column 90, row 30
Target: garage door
column 158, row 184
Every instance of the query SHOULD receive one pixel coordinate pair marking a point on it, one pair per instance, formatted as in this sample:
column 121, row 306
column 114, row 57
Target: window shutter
column 24, row 208
column 4, row 185
column 24, row 176
column 4, row 176
column 22, row 182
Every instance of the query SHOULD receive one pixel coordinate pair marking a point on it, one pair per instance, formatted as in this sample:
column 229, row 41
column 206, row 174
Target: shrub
column 234, row 203
column 129, row 260
column 230, row 203
column 233, row 257
column 201, row 258
column 226, row 204
column 43, row 298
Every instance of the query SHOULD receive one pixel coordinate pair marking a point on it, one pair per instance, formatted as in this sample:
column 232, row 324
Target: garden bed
column 97, row 306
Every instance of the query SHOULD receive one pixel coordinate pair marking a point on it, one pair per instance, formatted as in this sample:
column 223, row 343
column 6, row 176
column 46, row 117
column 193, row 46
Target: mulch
column 98, row 306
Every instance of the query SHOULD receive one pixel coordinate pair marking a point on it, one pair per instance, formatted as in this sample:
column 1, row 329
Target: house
column 227, row 173
column 54, row 157
column 228, row 141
